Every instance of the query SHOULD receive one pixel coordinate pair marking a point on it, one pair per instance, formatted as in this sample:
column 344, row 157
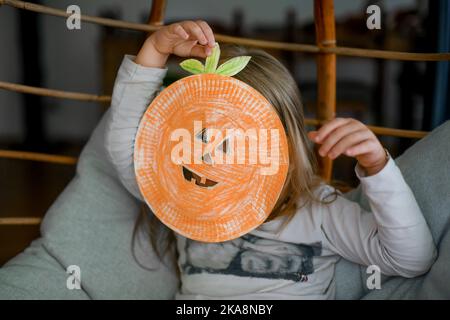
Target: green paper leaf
column 212, row 61
column 233, row 66
column 193, row 66
column 229, row 68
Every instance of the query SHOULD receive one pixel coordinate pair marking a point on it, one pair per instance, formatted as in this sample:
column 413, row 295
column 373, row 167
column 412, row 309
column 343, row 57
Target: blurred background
column 39, row 50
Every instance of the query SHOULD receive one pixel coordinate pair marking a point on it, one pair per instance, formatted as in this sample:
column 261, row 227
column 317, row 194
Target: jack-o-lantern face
column 211, row 157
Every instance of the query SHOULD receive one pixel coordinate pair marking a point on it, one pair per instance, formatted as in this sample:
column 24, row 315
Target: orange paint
column 208, row 201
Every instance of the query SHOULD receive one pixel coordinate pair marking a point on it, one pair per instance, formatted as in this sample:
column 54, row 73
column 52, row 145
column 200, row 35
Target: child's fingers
column 347, row 128
column 179, row 30
column 328, row 127
column 207, row 31
column 200, row 51
column 347, row 142
column 195, row 32
column 363, row 147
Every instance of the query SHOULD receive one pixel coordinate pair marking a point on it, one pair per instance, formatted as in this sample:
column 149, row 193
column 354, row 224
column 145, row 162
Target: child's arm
column 395, row 237
column 136, row 84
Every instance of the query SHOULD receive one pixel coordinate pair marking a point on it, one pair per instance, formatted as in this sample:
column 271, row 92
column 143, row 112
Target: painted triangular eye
column 223, row 146
column 202, row 135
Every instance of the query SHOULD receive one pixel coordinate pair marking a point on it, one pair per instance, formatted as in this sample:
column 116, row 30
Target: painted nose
column 206, row 158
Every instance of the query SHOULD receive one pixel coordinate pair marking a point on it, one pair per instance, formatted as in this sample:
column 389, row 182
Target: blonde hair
column 268, row 76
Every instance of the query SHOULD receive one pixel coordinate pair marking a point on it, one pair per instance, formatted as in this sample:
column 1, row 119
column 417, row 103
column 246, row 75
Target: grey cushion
column 91, row 224
column 426, row 168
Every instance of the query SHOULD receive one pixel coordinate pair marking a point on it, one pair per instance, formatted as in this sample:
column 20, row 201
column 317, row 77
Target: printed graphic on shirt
column 252, row 256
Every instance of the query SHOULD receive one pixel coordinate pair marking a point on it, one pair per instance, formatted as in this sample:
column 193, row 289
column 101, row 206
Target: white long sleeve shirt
column 298, row 260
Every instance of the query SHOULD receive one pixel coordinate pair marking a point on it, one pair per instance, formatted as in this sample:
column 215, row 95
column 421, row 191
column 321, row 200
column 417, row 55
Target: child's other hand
column 184, row 39
column 352, row 138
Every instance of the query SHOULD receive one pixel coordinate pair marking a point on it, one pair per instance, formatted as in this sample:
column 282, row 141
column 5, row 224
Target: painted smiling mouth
column 199, row 180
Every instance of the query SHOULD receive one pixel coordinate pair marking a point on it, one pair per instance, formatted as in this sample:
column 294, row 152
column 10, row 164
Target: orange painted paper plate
column 211, row 154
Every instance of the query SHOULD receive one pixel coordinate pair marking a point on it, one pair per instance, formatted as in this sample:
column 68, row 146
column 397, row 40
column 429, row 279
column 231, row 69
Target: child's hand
column 352, row 138
column 184, row 39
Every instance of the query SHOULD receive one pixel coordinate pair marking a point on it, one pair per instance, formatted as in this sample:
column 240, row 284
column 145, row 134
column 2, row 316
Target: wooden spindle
column 157, row 12
column 326, row 71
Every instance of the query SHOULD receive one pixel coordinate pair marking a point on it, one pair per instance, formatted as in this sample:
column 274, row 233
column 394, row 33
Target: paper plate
column 185, row 132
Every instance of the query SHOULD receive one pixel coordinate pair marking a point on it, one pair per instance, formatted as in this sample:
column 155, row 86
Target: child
column 292, row 255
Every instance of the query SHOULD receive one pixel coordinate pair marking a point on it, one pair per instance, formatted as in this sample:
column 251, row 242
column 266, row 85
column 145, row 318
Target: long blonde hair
column 267, row 75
